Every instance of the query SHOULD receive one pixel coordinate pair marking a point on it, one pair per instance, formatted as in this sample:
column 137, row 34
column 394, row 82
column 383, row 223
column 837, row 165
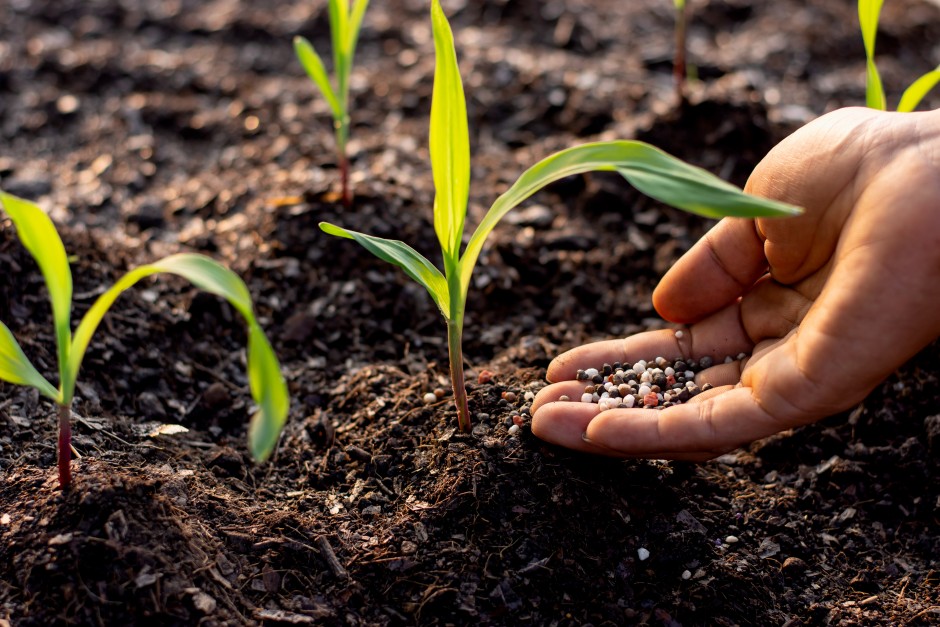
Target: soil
column 147, row 128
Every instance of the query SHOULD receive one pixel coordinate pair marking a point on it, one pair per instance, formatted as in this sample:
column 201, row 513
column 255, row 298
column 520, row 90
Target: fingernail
column 587, row 440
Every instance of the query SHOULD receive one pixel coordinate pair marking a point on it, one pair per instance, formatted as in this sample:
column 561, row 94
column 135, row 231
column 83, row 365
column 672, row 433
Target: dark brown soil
column 152, row 127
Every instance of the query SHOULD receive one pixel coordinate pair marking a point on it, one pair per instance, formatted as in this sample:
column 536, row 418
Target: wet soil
column 151, row 128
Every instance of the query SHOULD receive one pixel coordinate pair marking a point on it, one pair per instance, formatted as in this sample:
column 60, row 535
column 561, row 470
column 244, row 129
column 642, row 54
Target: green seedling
column 678, row 64
column 38, row 234
column 868, row 14
column 649, row 169
column 345, row 23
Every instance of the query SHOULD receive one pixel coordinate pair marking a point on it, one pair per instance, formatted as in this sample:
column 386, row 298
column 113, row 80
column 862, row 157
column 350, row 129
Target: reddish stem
column 65, row 446
column 455, row 351
column 344, row 180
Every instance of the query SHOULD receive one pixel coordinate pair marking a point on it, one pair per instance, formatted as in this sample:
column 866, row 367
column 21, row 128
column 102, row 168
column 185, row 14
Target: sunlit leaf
column 268, row 388
column 649, row 169
column 355, row 24
column 16, row 368
column 918, row 89
column 868, row 13
column 339, row 29
column 39, row 236
column 449, row 140
column 313, row 65
column 405, row 257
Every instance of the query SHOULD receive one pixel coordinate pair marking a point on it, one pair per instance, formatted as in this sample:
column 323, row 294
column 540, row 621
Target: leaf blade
column 659, row 175
column 16, row 368
column 268, row 388
column 400, row 254
column 39, row 236
column 918, row 89
column 868, row 14
column 449, row 141
column 313, row 65
column 356, row 14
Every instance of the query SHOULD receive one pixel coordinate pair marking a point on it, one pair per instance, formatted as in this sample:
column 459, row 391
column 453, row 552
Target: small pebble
column 564, row 398
column 679, row 335
column 513, row 430
column 731, row 539
column 587, row 397
column 510, row 396
column 686, row 575
column 643, row 554
column 439, row 392
column 429, row 398
column 485, row 376
column 529, row 395
column 517, row 420
column 591, row 373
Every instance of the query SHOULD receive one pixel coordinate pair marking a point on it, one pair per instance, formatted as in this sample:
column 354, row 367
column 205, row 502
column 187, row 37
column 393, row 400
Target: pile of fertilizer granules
column 654, row 384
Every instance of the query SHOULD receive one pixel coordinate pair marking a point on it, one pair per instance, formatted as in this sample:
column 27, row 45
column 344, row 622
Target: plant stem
column 455, row 351
column 342, row 137
column 678, row 65
column 65, row 445
column 344, row 180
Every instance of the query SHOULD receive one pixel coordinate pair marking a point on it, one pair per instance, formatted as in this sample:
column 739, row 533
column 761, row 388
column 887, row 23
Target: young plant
column 345, row 23
column 649, row 169
column 868, row 14
column 38, row 234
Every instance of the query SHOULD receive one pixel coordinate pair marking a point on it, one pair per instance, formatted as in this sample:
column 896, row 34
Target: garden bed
column 151, row 128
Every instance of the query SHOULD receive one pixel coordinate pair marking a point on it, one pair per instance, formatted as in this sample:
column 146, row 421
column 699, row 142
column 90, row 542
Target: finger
column 718, row 335
column 710, row 427
column 718, row 269
column 551, row 393
column 723, row 374
column 564, row 424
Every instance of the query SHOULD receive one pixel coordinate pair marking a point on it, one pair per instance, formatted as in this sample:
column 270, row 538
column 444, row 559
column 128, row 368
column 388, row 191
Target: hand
column 827, row 304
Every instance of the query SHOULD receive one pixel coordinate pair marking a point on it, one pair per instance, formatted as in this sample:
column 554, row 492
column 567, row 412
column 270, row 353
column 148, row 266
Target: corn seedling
column 38, row 234
column 868, row 14
column 345, row 22
column 649, row 169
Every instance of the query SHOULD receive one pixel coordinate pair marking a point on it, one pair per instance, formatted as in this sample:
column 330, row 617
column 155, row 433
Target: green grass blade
column 449, row 140
column 868, row 13
column 313, row 65
column 355, row 24
column 918, row 89
column 339, row 31
column 38, row 234
column 268, row 388
column 405, row 257
column 16, row 368
column 651, row 170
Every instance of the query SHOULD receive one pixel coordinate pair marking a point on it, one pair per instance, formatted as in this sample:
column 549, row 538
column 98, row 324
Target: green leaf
column 268, row 388
column 355, row 23
column 449, row 140
column 39, row 236
column 405, row 257
column 16, row 368
column 339, row 31
column 649, row 169
column 918, row 89
column 868, row 12
column 313, row 65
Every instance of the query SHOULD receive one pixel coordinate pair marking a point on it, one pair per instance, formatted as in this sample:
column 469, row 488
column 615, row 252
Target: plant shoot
column 649, row 169
column 345, row 22
column 868, row 13
column 38, row 234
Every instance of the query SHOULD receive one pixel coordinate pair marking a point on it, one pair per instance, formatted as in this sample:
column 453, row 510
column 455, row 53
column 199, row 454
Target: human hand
column 827, row 304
